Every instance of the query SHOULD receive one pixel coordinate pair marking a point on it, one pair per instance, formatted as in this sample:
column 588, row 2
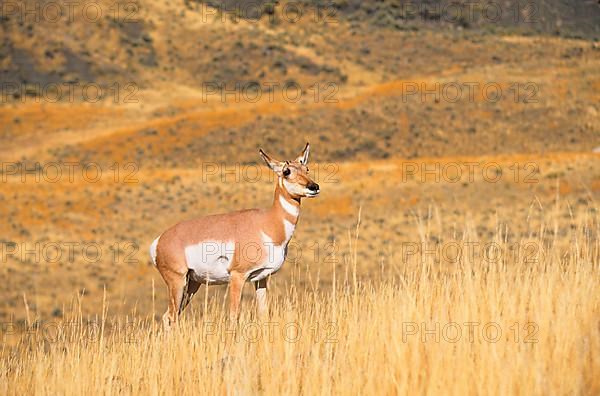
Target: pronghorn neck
column 284, row 205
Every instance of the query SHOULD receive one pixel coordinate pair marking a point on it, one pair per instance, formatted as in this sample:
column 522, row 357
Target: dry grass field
column 454, row 248
column 520, row 325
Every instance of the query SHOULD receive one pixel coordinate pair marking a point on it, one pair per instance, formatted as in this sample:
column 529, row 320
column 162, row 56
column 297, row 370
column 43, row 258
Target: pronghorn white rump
column 153, row 246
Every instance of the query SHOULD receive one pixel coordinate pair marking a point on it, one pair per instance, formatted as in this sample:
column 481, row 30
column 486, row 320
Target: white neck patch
column 289, row 230
column 288, row 207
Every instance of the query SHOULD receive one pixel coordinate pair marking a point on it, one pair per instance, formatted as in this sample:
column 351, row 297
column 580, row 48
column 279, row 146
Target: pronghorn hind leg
column 176, row 284
column 191, row 287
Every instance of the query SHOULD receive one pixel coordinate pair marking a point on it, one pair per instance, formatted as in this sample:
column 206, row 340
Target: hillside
column 374, row 95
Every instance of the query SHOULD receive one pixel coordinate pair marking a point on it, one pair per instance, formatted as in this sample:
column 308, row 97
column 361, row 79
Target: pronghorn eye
column 286, row 172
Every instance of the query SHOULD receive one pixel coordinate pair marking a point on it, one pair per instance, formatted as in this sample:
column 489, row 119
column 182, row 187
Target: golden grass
column 520, row 324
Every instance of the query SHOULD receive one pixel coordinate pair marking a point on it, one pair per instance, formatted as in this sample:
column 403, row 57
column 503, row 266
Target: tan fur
column 243, row 227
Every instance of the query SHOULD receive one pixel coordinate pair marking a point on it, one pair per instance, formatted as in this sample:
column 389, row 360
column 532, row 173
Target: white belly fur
column 210, row 261
column 275, row 256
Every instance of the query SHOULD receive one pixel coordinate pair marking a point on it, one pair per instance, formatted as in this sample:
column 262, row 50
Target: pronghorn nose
column 313, row 186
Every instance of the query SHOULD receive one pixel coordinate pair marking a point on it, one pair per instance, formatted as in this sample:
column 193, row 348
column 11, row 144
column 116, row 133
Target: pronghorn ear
column 276, row 166
column 303, row 158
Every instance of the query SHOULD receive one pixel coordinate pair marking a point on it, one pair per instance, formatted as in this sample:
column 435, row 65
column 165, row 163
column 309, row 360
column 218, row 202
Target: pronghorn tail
column 153, row 246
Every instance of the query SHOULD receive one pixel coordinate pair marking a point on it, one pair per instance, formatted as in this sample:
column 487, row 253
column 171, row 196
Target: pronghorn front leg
column 236, row 284
column 261, row 298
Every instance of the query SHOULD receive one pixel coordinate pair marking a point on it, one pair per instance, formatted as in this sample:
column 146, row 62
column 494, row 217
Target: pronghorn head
column 293, row 175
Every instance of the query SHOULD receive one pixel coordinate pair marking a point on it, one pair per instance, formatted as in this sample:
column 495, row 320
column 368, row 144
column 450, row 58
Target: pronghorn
column 234, row 247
